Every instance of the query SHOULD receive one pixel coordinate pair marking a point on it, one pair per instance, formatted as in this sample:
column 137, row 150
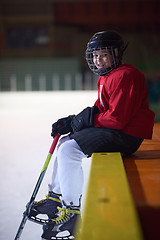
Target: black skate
column 62, row 227
column 46, row 206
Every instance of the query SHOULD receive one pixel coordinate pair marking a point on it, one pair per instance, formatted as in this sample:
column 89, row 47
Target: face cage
column 102, row 72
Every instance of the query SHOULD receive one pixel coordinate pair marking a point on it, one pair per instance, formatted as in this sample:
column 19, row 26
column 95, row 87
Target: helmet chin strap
column 105, row 71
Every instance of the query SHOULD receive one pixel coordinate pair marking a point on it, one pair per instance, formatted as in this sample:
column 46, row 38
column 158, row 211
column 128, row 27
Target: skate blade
column 59, row 238
column 38, row 220
column 70, row 237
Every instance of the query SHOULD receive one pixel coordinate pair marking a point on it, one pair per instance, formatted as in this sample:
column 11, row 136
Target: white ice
column 25, row 127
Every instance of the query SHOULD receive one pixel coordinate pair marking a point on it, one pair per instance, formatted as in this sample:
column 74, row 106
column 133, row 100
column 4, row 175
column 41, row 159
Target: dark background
column 49, row 37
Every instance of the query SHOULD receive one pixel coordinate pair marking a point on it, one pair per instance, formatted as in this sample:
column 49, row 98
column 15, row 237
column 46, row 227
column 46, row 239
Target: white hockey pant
column 67, row 176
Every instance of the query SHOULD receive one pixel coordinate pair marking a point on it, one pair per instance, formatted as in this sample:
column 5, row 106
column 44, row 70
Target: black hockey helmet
column 109, row 40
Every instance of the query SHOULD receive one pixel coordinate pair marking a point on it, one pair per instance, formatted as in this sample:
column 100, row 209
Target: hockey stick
column 35, row 191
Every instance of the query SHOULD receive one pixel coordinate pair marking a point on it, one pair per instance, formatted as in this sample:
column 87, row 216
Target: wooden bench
column 143, row 173
column 123, row 197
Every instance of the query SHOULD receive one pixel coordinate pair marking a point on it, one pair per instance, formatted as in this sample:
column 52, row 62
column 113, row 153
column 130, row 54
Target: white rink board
column 25, row 127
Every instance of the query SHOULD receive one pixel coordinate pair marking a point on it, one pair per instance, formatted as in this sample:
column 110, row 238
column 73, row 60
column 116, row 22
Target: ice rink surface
column 25, row 127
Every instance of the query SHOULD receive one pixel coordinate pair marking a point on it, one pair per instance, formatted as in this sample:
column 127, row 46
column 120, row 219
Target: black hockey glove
column 62, row 126
column 84, row 119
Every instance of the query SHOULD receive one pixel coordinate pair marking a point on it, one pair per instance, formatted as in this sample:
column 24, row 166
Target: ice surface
column 25, row 126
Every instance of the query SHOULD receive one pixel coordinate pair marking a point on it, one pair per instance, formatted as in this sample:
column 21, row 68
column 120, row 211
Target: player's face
column 102, row 58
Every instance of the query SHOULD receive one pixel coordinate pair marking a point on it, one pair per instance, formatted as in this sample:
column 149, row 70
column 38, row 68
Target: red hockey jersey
column 123, row 102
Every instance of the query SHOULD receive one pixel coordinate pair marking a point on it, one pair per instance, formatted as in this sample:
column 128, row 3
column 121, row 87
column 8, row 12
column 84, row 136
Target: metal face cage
column 112, row 59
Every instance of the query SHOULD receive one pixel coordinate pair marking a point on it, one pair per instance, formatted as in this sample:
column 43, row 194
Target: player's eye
column 104, row 55
column 95, row 55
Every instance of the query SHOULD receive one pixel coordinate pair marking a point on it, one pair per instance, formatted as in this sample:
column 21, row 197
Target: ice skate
column 62, row 227
column 47, row 206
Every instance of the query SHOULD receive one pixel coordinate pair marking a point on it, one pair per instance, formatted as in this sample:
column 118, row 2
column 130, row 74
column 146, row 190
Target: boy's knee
column 69, row 149
column 63, row 151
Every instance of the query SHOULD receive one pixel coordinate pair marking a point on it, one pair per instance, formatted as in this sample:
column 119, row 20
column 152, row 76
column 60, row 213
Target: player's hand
column 84, row 119
column 62, row 126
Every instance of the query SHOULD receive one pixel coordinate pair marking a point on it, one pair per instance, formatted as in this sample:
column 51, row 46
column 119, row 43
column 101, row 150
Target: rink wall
column 44, row 75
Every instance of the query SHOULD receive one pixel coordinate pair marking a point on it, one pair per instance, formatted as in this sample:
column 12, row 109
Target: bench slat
column 109, row 212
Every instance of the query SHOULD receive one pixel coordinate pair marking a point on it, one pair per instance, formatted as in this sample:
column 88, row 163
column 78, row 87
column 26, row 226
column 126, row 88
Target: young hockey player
column 118, row 122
